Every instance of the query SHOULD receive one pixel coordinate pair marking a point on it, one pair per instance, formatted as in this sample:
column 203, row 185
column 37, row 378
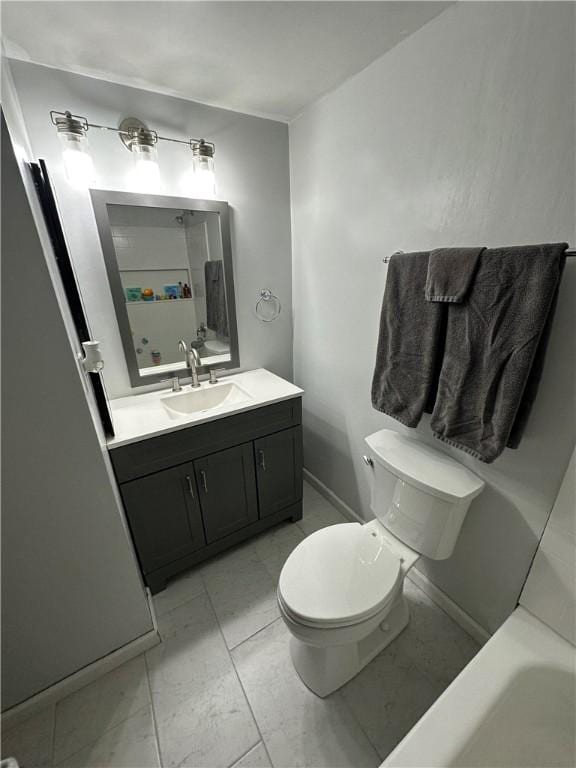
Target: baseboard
column 448, row 605
column 152, row 610
column 336, row 501
column 17, row 714
column 464, row 620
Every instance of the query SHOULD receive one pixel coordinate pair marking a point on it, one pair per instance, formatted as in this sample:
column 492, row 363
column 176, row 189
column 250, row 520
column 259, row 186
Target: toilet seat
column 339, row 576
column 335, row 625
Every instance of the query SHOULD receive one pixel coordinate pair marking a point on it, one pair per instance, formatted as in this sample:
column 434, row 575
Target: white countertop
column 138, row 417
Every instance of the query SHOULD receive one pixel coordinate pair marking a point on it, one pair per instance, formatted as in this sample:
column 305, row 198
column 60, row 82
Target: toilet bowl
column 340, row 592
column 340, row 595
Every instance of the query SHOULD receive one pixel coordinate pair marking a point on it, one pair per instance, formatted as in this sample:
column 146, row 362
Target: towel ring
column 266, row 297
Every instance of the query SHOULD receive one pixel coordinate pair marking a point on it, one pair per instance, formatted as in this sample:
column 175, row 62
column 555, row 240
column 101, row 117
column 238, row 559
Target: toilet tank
column 419, row 494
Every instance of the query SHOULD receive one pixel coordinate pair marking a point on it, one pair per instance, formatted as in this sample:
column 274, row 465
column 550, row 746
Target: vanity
column 194, row 484
column 203, row 466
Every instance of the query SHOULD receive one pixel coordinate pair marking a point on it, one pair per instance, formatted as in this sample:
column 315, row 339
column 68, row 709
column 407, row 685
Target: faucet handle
column 176, row 386
column 214, row 375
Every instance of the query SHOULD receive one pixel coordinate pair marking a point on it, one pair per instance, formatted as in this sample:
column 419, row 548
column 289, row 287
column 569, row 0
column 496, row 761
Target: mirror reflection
column 171, row 268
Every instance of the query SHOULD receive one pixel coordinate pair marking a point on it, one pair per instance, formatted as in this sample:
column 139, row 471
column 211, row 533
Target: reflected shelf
column 157, row 301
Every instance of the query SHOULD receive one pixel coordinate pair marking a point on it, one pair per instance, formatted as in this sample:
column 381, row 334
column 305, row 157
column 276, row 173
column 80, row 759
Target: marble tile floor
column 220, row 690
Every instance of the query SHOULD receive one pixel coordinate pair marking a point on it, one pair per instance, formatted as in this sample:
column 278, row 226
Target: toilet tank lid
column 424, row 467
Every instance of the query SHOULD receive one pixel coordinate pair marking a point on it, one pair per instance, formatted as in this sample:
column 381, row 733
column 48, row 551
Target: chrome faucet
column 193, row 361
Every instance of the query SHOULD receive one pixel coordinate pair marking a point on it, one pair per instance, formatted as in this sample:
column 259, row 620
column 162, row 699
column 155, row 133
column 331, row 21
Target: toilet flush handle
column 368, row 461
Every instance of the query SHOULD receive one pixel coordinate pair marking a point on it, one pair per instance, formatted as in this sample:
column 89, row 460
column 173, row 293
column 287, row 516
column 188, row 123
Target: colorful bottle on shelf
column 134, row 294
column 171, row 291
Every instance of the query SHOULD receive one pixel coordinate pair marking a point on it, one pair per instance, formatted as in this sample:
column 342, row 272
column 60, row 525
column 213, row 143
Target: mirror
column 169, row 265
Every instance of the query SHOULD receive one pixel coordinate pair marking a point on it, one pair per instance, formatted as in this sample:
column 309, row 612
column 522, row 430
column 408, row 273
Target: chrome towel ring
column 268, row 306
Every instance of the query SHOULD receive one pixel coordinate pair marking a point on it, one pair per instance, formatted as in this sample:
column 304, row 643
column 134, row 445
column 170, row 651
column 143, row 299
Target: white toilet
column 341, row 590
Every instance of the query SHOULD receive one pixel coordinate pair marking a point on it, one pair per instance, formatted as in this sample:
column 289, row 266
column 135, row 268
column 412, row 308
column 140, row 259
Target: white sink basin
column 205, row 399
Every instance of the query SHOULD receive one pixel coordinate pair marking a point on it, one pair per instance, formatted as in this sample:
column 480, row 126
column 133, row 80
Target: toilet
column 340, row 592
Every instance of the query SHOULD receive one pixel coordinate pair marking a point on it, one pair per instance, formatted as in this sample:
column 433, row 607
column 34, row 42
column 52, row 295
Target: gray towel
column 216, row 313
column 409, row 349
column 450, row 273
column 494, row 349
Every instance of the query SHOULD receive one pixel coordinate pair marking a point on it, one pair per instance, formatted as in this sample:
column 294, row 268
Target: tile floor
column 220, row 690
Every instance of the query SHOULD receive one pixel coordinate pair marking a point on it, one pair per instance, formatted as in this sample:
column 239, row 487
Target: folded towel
column 216, row 312
column 410, row 343
column 450, row 273
column 494, row 349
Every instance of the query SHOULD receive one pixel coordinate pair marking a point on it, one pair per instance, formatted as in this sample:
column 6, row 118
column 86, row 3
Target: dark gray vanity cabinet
column 194, row 492
column 278, row 461
column 227, row 489
column 164, row 516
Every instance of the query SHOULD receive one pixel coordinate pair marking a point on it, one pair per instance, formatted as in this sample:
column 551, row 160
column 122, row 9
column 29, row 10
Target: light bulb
column 201, row 179
column 145, row 175
column 79, row 168
column 78, row 164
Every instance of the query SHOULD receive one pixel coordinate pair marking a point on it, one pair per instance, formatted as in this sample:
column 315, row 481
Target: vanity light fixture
column 142, row 142
column 78, row 163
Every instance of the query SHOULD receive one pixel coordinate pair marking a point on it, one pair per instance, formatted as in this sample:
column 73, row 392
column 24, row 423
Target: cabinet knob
column 204, row 480
column 262, row 460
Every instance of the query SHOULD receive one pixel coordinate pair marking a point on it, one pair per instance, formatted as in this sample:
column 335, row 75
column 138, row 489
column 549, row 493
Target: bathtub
column 513, row 706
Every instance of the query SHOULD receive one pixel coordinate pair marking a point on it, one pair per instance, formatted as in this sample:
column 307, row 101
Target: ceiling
column 264, row 58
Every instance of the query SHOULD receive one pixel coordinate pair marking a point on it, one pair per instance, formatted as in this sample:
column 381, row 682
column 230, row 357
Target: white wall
column 252, row 175
column 204, row 243
column 71, row 589
column 462, row 134
column 151, row 250
column 550, row 590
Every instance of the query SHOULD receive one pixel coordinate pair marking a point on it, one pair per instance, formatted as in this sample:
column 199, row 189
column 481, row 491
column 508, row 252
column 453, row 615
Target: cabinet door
column 279, row 470
column 227, row 489
column 164, row 516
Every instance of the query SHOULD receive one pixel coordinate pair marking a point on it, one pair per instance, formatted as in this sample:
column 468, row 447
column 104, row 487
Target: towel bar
column 569, row 252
